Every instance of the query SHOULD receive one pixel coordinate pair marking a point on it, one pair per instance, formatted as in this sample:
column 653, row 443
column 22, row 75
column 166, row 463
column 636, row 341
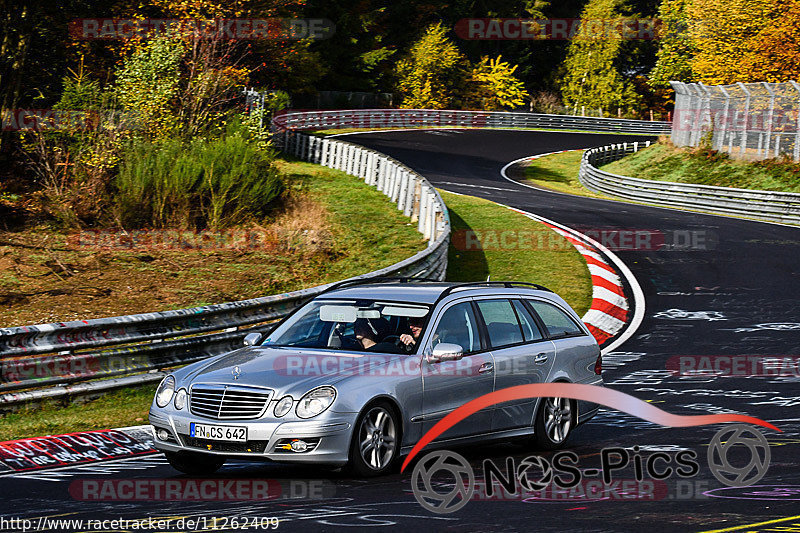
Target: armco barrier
column 417, row 118
column 761, row 205
column 65, row 356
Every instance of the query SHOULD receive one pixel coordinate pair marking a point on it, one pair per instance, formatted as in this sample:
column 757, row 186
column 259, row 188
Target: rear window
column 557, row 322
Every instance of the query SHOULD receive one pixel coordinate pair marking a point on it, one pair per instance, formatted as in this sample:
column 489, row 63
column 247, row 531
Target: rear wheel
column 375, row 442
column 195, row 463
column 554, row 423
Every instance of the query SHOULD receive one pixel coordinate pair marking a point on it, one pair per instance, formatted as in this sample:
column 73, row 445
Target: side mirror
column 445, row 352
column 252, row 339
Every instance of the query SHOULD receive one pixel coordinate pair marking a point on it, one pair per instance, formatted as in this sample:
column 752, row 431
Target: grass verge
column 125, row 407
column 548, row 259
column 557, row 172
column 664, row 161
column 333, row 226
column 513, row 247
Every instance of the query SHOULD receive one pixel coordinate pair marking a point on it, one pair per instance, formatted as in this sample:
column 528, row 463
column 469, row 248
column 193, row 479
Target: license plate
column 211, row 432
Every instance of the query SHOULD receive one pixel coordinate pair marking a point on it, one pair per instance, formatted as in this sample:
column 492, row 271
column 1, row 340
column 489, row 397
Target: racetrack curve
column 735, row 295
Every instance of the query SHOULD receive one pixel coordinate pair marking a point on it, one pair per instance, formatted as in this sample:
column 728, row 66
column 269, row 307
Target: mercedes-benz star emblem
column 236, row 372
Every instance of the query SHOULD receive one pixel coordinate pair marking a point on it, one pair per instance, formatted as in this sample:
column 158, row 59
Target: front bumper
column 330, row 433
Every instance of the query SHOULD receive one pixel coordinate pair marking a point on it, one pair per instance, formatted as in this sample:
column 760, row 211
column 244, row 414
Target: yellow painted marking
column 768, row 522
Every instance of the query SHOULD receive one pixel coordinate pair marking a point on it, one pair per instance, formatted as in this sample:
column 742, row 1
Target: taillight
column 598, row 365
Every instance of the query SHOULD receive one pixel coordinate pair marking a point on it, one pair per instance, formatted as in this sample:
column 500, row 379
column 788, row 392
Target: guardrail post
column 408, row 206
column 423, row 206
column 768, row 87
column 403, row 193
column 796, row 151
column 743, row 87
column 389, row 185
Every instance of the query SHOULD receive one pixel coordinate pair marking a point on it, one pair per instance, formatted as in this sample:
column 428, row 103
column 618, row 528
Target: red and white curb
column 608, row 313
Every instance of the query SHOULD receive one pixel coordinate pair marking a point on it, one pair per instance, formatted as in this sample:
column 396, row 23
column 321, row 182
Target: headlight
column 180, row 399
column 315, row 402
column 283, row 406
column 165, row 391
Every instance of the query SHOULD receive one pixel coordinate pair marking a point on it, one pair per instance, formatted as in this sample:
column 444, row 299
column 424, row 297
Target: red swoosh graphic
column 591, row 393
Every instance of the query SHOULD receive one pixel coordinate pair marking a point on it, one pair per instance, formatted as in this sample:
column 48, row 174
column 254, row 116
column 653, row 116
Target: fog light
column 299, row 446
column 162, row 434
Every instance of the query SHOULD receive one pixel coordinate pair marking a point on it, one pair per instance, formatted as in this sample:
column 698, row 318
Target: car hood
column 285, row 370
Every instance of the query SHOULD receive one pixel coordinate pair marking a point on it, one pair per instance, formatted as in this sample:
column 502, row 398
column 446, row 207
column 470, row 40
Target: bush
column 195, row 185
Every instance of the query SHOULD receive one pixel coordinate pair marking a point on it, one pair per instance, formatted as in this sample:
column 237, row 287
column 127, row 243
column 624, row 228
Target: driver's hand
column 407, row 339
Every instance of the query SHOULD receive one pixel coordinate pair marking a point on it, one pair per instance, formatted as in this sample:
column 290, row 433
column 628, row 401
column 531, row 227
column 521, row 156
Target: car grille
column 228, row 402
column 251, row 446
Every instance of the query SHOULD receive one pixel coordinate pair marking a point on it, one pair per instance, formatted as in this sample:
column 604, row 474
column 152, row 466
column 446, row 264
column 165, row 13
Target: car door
column 450, row 384
column 576, row 349
column 522, row 356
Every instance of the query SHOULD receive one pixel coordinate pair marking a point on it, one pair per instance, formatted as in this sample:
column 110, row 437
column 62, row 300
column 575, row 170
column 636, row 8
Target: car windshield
column 353, row 325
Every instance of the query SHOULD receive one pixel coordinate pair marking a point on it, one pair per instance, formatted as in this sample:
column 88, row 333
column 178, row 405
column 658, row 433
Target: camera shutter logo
column 724, row 441
column 459, row 471
column 534, row 463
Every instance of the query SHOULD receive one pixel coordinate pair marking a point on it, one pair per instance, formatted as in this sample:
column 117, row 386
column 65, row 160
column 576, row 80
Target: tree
column 775, row 50
column 494, row 86
column 722, row 32
column 433, row 73
column 148, row 84
column 593, row 77
column 675, row 47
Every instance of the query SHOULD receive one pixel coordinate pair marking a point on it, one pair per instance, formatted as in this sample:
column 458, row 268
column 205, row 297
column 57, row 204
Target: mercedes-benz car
column 357, row 375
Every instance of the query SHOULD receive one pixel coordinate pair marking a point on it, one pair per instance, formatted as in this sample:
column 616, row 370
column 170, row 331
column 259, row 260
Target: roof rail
column 477, row 284
column 364, row 281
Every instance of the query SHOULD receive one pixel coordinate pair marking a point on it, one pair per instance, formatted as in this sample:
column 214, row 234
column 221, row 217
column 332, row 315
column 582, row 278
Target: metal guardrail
column 64, row 356
column 415, row 118
column 761, row 205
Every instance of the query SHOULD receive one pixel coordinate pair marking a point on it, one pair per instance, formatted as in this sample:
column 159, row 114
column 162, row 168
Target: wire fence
column 750, row 121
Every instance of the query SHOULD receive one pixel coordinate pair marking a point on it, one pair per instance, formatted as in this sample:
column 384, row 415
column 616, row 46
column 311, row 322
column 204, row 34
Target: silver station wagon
column 357, row 375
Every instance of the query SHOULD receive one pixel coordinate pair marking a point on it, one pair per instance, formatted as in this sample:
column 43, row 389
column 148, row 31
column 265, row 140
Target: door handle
column 540, row 358
column 486, row 367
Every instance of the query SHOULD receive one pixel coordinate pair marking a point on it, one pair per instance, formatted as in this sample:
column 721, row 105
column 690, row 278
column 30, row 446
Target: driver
column 409, row 342
column 370, row 331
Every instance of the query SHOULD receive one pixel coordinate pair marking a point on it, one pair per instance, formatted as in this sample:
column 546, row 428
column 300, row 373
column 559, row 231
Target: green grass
column 532, row 253
column 376, row 234
column 665, row 162
column 557, row 172
column 125, row 407
column 369, row 229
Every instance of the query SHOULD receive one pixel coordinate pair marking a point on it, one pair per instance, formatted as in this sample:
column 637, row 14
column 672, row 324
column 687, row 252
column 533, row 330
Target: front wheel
column 554, row 422
column 375, row 442
column 195, row 464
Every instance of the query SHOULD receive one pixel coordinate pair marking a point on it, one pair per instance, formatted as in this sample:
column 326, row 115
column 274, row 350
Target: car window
column 529, row 328
column 458, row 326
column 557, row 322
column 501, row 322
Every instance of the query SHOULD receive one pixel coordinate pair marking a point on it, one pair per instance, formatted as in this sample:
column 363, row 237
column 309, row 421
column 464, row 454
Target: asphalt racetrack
column 714, row 287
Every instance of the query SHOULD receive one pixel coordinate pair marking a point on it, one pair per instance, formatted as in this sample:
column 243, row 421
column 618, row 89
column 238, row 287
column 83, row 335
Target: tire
column 196, row 464
column 556, row 419
column 375, row 445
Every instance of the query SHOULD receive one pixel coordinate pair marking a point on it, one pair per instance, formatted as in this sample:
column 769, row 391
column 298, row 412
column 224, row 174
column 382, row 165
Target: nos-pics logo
column 451, row 495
